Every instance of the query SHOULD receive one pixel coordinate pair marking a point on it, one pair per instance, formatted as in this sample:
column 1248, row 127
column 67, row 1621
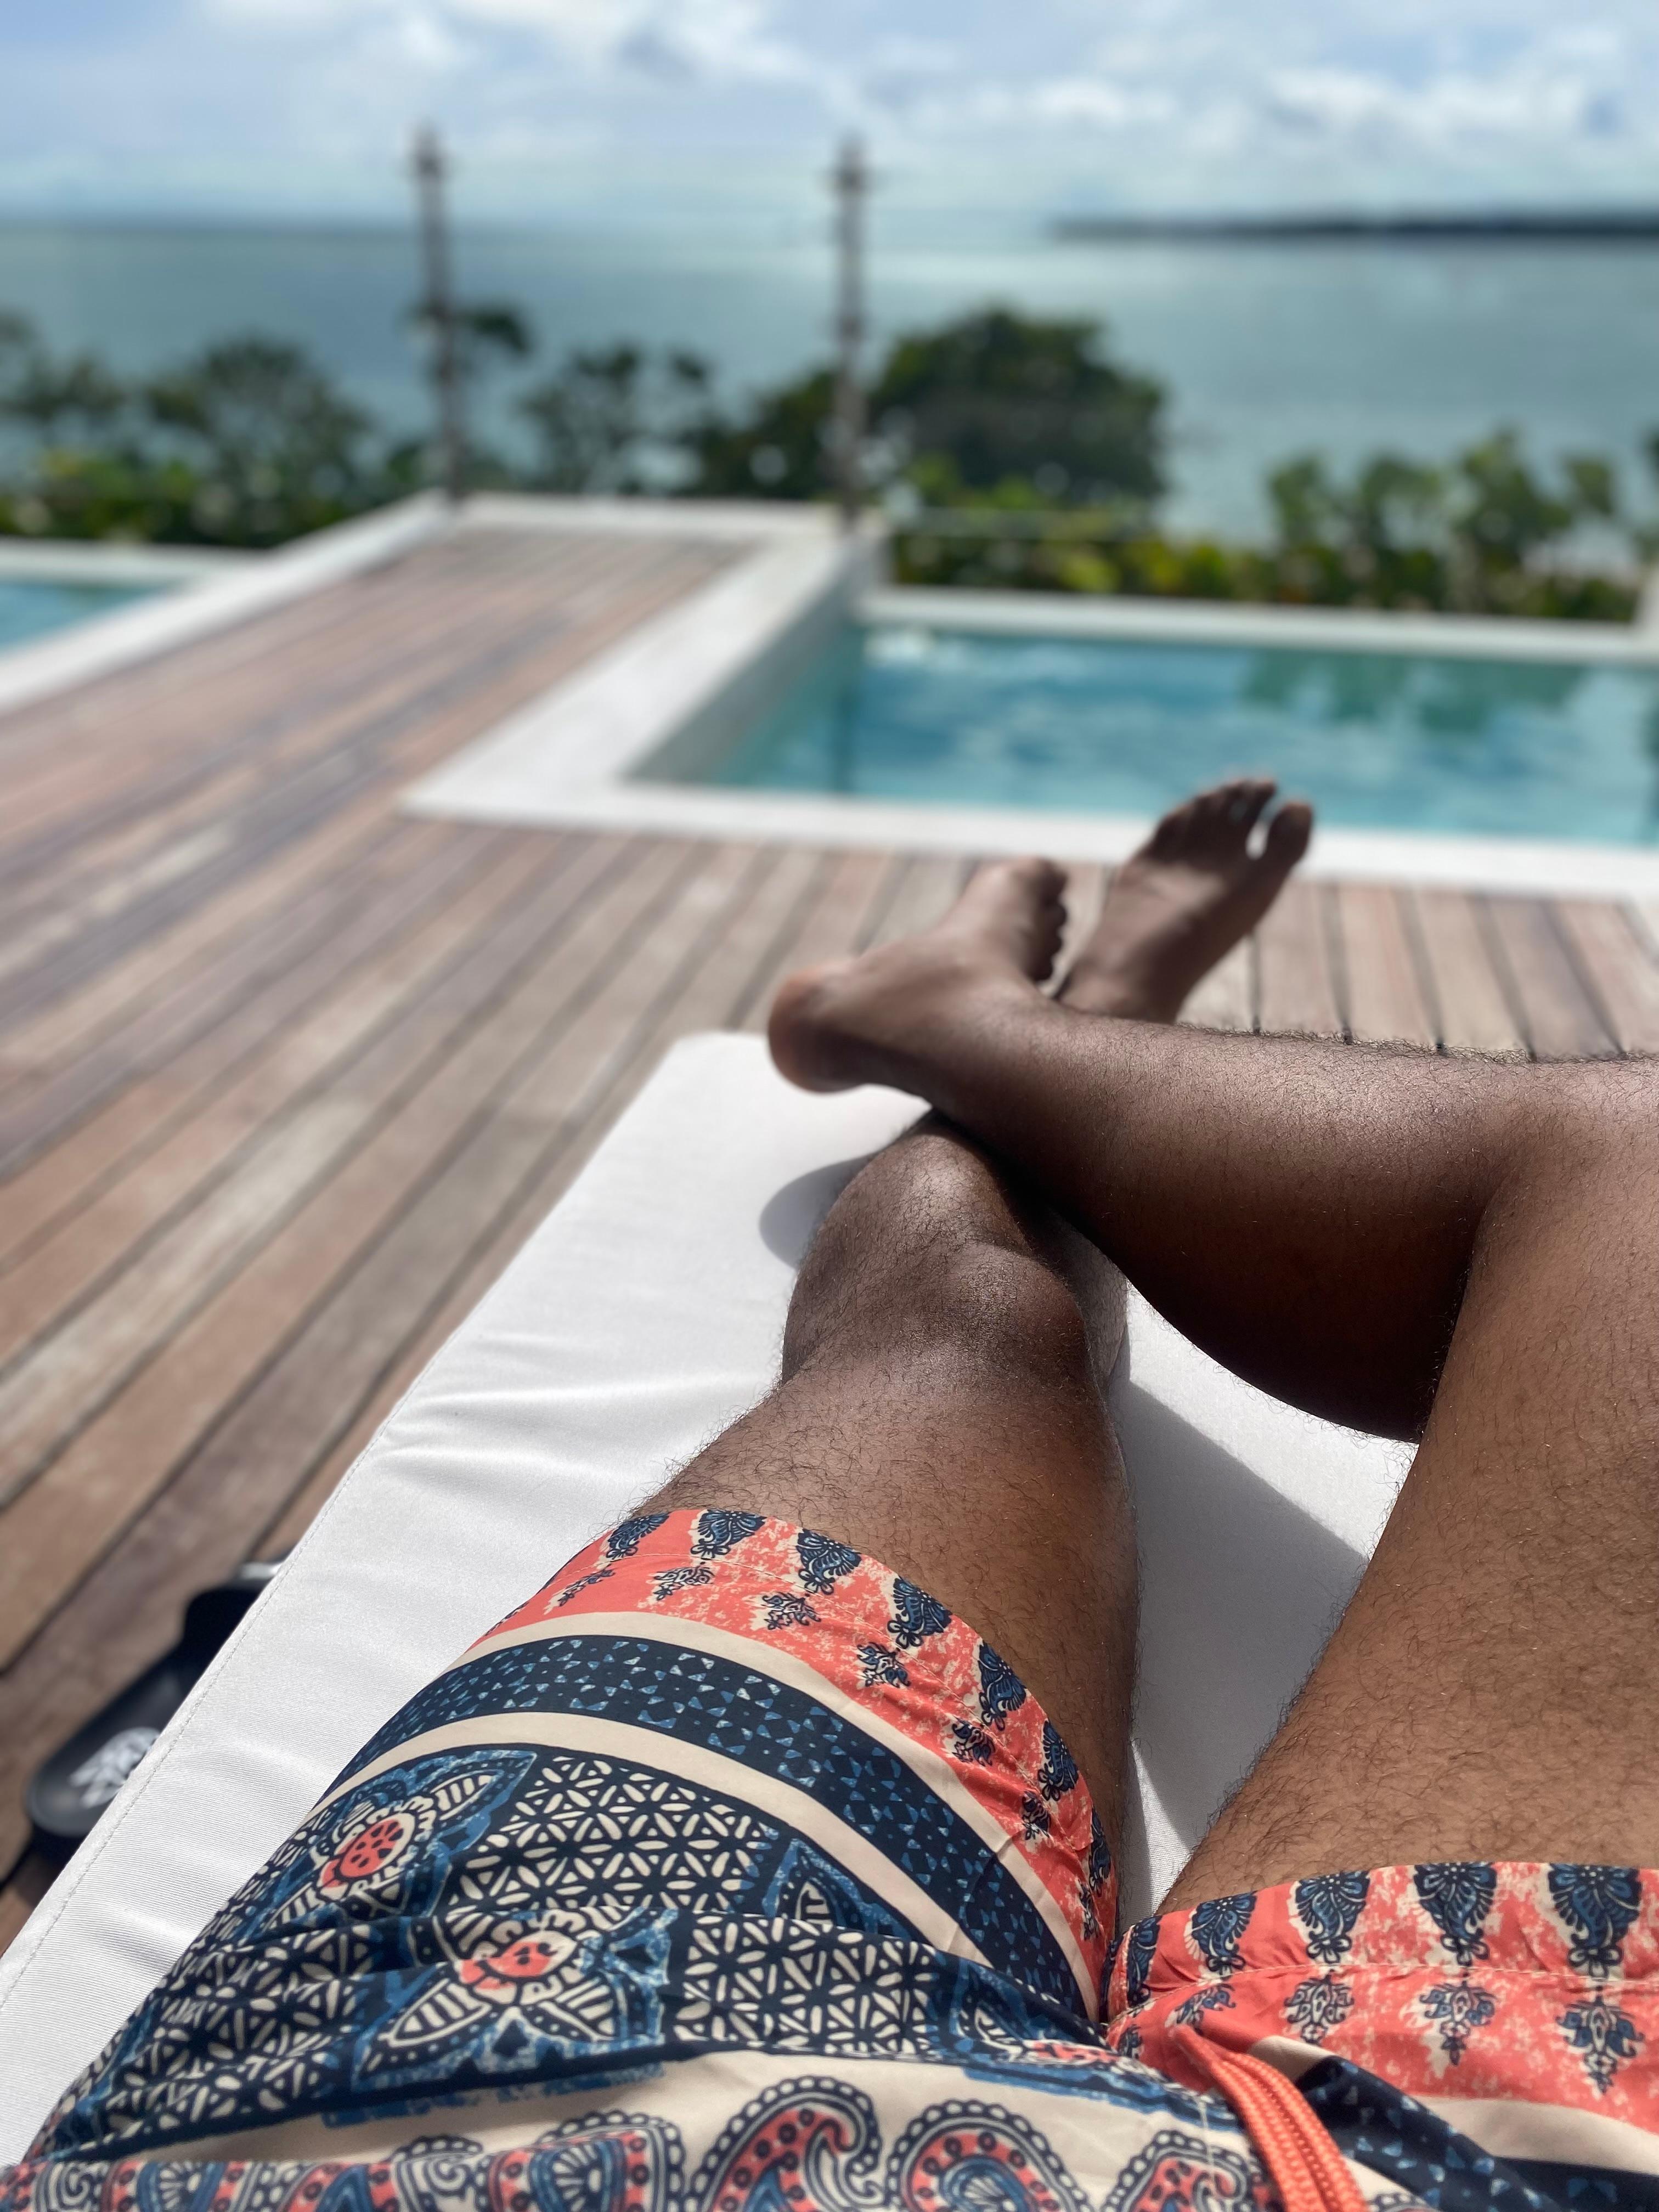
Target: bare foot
column 1185, row 899
column 850, row 1021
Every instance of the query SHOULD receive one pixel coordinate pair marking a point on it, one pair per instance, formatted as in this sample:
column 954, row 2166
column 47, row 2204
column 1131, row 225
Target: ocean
column 1268, row 348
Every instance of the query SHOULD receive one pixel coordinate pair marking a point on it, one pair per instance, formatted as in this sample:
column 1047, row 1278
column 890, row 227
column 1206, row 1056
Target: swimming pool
column 32, row 607
column 1410, row 741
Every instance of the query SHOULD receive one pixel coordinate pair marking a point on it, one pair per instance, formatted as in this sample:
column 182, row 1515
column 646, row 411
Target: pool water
column 32, row 607
column 1377, row 740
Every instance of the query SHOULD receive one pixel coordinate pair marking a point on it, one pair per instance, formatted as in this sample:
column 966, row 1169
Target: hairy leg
column 1395, row 1241
column 1304, row 1211
column 937, row 1408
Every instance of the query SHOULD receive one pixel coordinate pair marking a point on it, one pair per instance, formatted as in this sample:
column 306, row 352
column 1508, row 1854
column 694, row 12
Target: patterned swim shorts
column 732, row 1871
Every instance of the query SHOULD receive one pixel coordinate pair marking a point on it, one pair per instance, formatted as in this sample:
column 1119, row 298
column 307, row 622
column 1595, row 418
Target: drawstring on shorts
column 1304, row 2165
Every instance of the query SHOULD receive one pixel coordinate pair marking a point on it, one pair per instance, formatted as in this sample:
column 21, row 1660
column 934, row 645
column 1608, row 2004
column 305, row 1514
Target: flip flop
column 70, row 1790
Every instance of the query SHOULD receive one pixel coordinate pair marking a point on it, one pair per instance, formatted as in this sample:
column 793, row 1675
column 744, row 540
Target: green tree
column 778, row 449
column 606, row 420
column 274, row 446
column 488, row 335
column 50, row 397
column 1474, row 536
column 998, row 396
column 995, row 405
column 248, row 442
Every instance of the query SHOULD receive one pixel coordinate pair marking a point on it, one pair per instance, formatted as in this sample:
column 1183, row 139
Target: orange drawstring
column 1303, row 2164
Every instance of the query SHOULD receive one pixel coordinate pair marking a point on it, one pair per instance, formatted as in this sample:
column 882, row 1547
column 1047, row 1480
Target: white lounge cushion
column 644, row 1314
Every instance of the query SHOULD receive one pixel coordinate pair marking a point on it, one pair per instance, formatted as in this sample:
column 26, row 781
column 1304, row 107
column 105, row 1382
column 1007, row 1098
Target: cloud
column 709, row 102
column 720, row 41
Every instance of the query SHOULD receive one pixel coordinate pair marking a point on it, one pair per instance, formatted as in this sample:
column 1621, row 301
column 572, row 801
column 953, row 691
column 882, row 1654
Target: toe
column 1027, row 880
column 1288, row 833
column 1221, row 821
column 1253, row 796
column 1174, row 831
column 1017, row 908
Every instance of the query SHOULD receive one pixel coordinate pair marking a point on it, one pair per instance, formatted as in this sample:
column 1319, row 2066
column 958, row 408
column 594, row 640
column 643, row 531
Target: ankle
column 1123, row 985
column 899, row 1021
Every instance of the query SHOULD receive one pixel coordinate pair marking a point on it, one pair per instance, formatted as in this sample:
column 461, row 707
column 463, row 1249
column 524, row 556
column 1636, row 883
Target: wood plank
column 1297, row 987
column 1225, row 998
column 1617, row 957
column 1557, row 1011
column 91, row 1240
column 193, row 1005
column 556, row 1086
column 222, row 1336
column 359, row 838
column 463, row 1030
column 413, row 702
column 928, row 888
column 1386, row 1000
column 135, row 917
column 141, row 1114
column 104, row 780
column 226, row 1481
column 199, row 730
column 106, row 892
column 724, row 977
column 1473, row 1009
column 470, row 712
column 346, row 1349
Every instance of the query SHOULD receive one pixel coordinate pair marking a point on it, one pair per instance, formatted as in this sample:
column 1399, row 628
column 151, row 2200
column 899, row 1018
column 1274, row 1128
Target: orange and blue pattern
column 733, row 1872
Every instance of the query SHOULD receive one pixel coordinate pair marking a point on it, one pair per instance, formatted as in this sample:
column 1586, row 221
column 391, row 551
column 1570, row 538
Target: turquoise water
column 1268, row 350
column 32, row 608
column 1377, row 741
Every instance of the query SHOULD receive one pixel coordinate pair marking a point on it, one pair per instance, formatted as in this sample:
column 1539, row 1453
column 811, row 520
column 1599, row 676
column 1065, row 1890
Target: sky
column 720, row 112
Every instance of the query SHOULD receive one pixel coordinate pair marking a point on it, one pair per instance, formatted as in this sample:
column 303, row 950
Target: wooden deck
column 287, row 1077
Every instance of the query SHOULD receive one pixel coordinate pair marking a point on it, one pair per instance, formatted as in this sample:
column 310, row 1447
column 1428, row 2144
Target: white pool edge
column 689, row 683
column 98, row 561
column 1322, row 629
column 680, row 686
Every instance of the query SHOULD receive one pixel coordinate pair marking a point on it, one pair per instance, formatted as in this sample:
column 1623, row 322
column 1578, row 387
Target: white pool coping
column 678, row 686
column 1322, row 630
column 97, row 561
column 686, row 685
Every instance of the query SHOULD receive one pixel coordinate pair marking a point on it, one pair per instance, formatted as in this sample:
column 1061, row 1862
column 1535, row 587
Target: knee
column 970, row 1312
column 924, row 1259
column 1595, row 1120
column 1005, row 1313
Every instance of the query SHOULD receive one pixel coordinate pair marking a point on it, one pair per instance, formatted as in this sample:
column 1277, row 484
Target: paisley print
column 1327, row 1905
column 794, row 1900
column 1596, row 1905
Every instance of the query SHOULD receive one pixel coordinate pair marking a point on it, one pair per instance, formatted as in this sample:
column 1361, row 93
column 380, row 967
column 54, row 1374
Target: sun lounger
column 644, row 1314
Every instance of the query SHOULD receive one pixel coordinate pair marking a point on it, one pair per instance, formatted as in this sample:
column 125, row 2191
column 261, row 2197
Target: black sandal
column 69, row 1793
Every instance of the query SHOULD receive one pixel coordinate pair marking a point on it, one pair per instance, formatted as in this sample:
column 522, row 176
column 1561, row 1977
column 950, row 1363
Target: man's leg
column 937, row 1411
column 938, row 1408
column 1396, row 1241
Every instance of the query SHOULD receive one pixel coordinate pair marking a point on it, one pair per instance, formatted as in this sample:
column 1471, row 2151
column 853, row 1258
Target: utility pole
column 851, row 180
column 437, row 310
